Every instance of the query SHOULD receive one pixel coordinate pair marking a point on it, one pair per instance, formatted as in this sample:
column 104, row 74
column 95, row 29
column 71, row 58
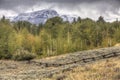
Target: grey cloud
column 74, row 1
column 12, row 4
column 102, row 6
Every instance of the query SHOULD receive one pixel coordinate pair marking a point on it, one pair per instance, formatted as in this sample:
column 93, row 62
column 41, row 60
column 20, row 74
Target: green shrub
column 22, row 55
column 5, row 55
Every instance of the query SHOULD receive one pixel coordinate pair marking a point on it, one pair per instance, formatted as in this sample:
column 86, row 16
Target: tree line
column 55, row 37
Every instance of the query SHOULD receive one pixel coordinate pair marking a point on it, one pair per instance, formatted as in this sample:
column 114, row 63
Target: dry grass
column 101, row 70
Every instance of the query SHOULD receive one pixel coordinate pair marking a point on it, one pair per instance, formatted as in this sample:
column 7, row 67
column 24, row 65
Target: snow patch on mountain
column 40, row 16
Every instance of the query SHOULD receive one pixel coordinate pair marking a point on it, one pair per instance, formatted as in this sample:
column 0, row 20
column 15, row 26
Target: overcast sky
column 85, row 8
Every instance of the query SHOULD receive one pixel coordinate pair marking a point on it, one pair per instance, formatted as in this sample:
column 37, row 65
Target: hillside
column 108, row 69
column 70, row 66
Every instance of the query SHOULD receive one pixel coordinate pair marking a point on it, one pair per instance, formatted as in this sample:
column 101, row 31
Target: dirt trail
column 38, row 69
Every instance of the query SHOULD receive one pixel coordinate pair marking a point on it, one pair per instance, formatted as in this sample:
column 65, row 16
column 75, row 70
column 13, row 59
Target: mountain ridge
column 41, row 16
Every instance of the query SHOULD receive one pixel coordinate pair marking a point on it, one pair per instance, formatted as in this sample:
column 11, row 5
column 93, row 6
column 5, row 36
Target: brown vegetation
column 118, row 44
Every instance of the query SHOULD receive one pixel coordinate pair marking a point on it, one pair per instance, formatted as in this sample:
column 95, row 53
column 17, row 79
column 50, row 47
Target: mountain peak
column 40, row 16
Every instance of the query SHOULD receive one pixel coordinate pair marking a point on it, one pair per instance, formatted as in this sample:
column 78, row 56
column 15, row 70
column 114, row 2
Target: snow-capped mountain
column 41, row 16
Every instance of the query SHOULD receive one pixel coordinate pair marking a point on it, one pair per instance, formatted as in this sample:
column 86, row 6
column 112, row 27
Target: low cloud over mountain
column 85, row 8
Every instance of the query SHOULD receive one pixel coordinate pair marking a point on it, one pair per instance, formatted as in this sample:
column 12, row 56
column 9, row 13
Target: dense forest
column 23, row 40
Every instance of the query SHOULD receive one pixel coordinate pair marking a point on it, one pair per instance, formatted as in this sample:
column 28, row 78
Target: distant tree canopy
column 54, row 21
column 55, row 37
column 101, row 19
column 3, row 19
column 79, row 19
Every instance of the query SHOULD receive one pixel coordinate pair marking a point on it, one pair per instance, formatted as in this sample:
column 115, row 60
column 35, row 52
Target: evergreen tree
column 101, row 19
